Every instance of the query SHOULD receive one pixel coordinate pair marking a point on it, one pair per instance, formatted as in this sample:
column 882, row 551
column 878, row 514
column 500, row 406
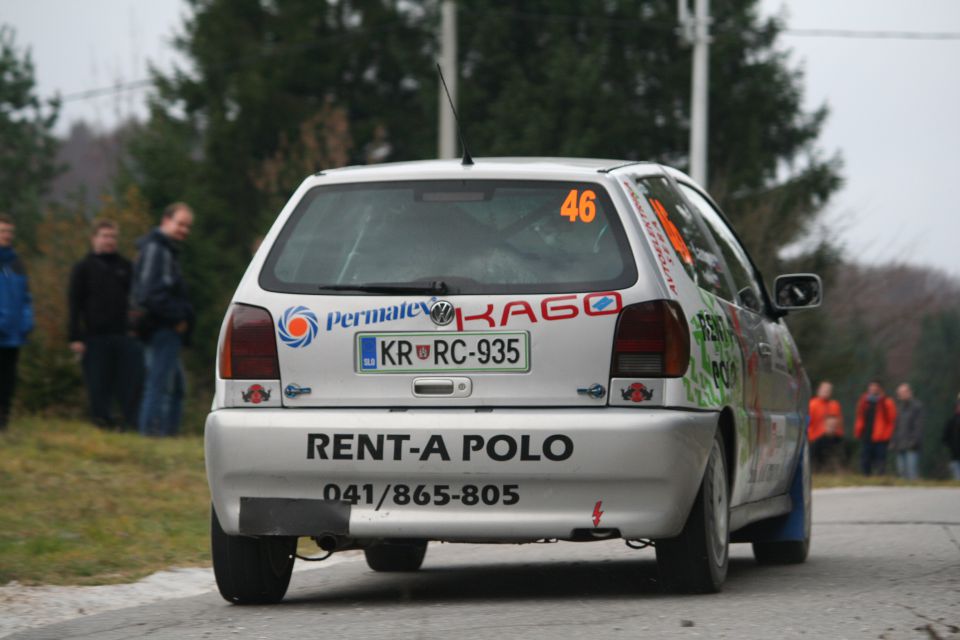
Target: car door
column 769, row 387
column 713, row 379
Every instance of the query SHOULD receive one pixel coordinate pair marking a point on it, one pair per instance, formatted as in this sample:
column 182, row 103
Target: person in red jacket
column 825, row 431
column 876, row 416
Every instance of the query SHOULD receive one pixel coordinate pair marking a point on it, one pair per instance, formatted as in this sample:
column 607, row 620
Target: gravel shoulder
column 26, row 607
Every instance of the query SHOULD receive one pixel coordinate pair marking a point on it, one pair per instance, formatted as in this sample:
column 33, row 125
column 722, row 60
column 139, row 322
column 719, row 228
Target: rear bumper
column 482, row 475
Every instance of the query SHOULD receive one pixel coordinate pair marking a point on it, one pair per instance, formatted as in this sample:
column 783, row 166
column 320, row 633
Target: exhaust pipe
column 328, row 542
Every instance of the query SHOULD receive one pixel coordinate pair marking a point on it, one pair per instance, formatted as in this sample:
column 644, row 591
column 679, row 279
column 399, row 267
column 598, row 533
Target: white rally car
column 513, row 351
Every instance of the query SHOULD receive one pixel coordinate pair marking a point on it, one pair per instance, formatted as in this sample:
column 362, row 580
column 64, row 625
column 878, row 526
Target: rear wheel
column 251, row 570
column 696, row 560
column 396, row 556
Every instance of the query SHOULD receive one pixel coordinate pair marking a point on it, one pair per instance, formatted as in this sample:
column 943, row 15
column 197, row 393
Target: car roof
column 521, row 165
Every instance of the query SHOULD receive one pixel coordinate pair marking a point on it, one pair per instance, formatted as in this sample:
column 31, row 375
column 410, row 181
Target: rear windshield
column 474, row 236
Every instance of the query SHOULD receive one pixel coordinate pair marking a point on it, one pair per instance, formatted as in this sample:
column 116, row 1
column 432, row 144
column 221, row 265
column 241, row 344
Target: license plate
column 496, row 351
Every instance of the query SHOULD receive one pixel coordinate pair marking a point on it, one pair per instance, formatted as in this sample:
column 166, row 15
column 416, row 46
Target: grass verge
column 84, row 506
column 834, row 480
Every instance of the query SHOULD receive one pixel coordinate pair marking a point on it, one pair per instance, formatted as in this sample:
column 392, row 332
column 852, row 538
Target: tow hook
column 594, row 391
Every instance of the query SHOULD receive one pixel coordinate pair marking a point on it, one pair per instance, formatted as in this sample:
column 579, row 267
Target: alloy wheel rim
column 718, row 500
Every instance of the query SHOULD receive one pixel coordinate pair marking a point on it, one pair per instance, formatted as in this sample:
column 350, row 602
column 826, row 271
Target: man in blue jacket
column 16, row 315
column 166, row 317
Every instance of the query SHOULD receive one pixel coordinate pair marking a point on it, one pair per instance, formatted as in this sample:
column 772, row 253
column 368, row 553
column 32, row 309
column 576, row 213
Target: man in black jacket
column 112, row 359
column 166, row 317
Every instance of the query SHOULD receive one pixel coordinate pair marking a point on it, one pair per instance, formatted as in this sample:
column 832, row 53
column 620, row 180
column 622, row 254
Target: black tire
column 396, row 556
column 696, row 561
column 251, row 570
column 792, row 551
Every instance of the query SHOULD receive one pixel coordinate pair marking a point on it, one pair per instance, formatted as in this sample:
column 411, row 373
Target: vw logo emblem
column 441, row 312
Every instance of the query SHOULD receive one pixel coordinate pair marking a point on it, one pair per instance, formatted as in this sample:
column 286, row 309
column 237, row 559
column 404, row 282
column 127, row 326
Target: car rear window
column 476, row 236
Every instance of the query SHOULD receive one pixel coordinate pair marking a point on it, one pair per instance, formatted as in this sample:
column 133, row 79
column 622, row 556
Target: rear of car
column 429, row 351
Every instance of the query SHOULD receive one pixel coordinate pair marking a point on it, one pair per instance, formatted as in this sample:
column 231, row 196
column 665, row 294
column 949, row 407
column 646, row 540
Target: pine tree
column 27, row 144
column 936, row 382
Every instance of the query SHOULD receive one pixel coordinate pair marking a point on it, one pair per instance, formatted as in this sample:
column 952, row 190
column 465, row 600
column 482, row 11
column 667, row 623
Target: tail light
column 652, row 341
column 249, row 348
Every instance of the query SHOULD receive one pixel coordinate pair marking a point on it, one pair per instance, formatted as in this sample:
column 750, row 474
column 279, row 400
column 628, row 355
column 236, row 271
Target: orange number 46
column 580, row 205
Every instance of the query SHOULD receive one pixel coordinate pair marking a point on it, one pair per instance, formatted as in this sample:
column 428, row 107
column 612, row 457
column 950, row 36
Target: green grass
column 850, row 479
column 83, row 506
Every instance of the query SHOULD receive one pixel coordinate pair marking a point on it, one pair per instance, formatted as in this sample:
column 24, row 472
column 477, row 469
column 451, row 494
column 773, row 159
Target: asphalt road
column 885, row 563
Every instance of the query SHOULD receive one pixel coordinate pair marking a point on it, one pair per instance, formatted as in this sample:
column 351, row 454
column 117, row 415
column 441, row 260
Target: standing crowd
column 127, row 324
column 881, row 425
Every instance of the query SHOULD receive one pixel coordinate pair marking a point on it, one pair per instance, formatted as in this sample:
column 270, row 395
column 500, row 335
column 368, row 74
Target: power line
column 120, row 87
column 872, row 35
column 268, row 52
column 853, row 34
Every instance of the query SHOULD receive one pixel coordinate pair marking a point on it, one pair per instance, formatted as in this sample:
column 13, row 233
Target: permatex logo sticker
column 298, row 327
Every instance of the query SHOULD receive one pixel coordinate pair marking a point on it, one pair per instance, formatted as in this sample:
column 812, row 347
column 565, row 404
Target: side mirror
column 797, row 291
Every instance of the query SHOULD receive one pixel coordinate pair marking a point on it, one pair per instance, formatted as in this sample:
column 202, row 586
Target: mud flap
column 790, row 526
column 293, row 517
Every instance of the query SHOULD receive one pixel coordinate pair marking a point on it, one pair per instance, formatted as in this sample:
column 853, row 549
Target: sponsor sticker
column 597, row 513
column 394, row 446
column 297, row 327
column 549, row 309
column 379, row 315
column 255, row 394
column 637, row 392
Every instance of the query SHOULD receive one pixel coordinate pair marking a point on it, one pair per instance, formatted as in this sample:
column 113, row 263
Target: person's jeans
column 113, row 369
column 162, row 403
column 873, row 458
column 8, row 380
column 908, row 464
column 955, row 469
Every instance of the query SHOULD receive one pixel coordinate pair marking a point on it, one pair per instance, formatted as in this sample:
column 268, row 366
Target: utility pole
column 695, row 30
column 447, row 147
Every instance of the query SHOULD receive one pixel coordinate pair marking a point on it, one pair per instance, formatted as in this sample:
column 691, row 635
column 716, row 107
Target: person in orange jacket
column 876, row 416
column 825, row 431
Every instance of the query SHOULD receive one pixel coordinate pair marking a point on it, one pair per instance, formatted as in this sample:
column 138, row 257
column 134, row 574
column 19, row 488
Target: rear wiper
column 434, row 288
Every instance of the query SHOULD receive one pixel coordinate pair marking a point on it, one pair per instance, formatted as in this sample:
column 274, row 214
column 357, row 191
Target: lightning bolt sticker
column 597, row 513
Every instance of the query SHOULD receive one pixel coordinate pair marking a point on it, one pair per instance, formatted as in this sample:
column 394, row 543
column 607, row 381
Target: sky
column 893, row 103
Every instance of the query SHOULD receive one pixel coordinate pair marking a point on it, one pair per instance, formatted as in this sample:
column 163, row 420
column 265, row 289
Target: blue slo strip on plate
column 368, row 353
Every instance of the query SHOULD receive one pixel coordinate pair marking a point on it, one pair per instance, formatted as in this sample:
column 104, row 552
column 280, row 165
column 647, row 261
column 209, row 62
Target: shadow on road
column 527, row 581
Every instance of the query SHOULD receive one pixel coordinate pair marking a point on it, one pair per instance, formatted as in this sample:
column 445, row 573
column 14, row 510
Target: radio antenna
column 467, row 160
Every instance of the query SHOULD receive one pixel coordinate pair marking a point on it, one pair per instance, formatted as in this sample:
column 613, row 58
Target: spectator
column 876, row 414
column 16, row 315
column 164, row 320
column 825, row 431
column 951, row 438
column 907, row 433
column 112, row 359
